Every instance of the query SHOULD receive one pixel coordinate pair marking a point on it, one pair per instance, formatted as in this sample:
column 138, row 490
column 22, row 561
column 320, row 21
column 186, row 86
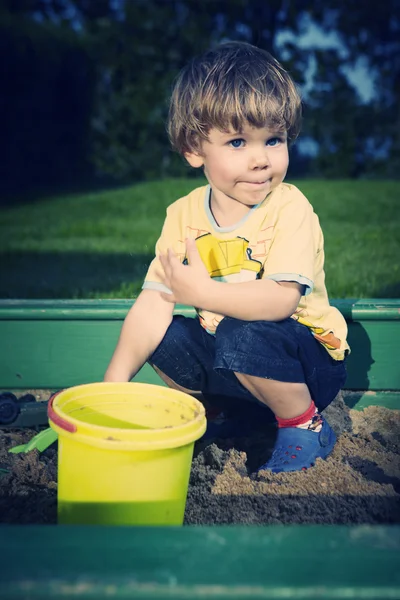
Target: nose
column 259, row 158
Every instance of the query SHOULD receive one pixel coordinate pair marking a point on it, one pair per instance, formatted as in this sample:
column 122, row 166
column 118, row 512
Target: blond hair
column 228, row 87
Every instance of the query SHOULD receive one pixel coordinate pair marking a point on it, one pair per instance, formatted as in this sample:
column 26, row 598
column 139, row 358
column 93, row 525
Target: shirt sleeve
column 170, row 237
column 292, row 252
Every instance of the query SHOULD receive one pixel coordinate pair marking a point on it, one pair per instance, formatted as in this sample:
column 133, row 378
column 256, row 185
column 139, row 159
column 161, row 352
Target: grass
column 99, row 245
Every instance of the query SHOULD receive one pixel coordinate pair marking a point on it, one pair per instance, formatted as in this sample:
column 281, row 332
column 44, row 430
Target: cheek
column 282, row 161
column 220, row 169
column 286, row 157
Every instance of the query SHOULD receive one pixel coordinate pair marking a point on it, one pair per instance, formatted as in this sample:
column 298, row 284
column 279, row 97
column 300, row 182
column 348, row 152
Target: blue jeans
column 284, row 351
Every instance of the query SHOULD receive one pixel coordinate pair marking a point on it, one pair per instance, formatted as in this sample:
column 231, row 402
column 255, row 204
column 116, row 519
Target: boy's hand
column 188, row 283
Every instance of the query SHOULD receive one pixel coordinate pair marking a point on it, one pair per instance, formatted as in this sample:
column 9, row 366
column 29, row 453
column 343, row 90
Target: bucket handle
column 51, row 413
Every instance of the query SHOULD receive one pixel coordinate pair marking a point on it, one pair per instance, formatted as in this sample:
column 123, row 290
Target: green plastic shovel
column 41, row 441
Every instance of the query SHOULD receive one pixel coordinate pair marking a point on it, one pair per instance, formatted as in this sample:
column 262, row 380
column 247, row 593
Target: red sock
column 296, row 421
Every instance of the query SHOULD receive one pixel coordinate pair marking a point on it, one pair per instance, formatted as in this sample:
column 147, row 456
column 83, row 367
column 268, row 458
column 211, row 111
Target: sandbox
column 330, row 532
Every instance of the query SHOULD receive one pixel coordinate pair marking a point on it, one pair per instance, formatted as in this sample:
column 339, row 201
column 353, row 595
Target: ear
column 195, row 160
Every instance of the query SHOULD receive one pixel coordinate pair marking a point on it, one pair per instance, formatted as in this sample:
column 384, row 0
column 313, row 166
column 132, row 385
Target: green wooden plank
column 72, row 309
column 362, row 399
column 312, row 562
column 366, row 309
column 57, row 344
column 374, row 360
column 61, row 353
column 352, row 309
column 55, row 354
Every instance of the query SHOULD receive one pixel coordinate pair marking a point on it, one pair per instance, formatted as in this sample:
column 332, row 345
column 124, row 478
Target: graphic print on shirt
column 229, row 261
column 326, row 338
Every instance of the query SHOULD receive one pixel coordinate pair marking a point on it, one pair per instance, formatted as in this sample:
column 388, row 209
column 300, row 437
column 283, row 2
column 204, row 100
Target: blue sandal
column 297, row 449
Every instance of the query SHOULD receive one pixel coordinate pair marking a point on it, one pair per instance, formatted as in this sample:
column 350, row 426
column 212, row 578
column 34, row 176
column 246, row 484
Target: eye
column 236, row 143
column 275, row 141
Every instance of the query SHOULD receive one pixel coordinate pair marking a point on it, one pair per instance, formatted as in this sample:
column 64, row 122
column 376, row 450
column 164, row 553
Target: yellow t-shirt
column 280, row 239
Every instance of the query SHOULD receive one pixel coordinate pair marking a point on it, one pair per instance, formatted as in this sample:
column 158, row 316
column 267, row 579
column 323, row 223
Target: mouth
column 256, row 183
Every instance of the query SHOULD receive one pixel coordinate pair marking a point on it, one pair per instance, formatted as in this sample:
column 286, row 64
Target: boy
column 247, row 252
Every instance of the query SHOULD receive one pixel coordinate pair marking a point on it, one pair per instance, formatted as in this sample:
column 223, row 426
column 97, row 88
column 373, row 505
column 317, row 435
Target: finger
column 172, row 257
column 165, row 263
column 192, row 252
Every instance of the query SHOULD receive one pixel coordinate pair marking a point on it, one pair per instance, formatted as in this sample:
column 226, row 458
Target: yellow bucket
column 124, row 453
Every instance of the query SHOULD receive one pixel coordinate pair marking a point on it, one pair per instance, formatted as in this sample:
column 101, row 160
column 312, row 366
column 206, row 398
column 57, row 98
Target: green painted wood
column 369, row 309
column 55, row 354
column 352, row 309
column 362, row 399
column 56, row 344
column 96, row 310
column 374, row 362
column 313, row 562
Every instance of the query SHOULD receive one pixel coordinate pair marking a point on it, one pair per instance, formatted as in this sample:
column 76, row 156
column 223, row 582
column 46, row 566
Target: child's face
column 244, row 166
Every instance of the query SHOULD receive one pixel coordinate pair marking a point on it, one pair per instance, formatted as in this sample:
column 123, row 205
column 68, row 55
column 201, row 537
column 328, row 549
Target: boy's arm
column 143, row 329
column 258, row 300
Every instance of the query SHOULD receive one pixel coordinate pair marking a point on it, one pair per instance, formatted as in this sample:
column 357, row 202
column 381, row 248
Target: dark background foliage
column 85, row 84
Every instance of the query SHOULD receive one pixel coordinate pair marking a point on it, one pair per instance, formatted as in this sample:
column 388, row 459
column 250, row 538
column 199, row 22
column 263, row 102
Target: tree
column 98, row 75
column 371, row 30
column 47, row 84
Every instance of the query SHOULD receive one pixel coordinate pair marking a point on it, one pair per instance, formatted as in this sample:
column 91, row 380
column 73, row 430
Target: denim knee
column 177, row 355
column 284, row 351
column 259, row 348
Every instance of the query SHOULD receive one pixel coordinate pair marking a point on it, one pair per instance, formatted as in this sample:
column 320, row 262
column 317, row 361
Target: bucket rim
column 153, row 437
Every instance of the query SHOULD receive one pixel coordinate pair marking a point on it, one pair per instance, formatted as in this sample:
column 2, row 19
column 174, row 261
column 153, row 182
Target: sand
column 358, row 483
